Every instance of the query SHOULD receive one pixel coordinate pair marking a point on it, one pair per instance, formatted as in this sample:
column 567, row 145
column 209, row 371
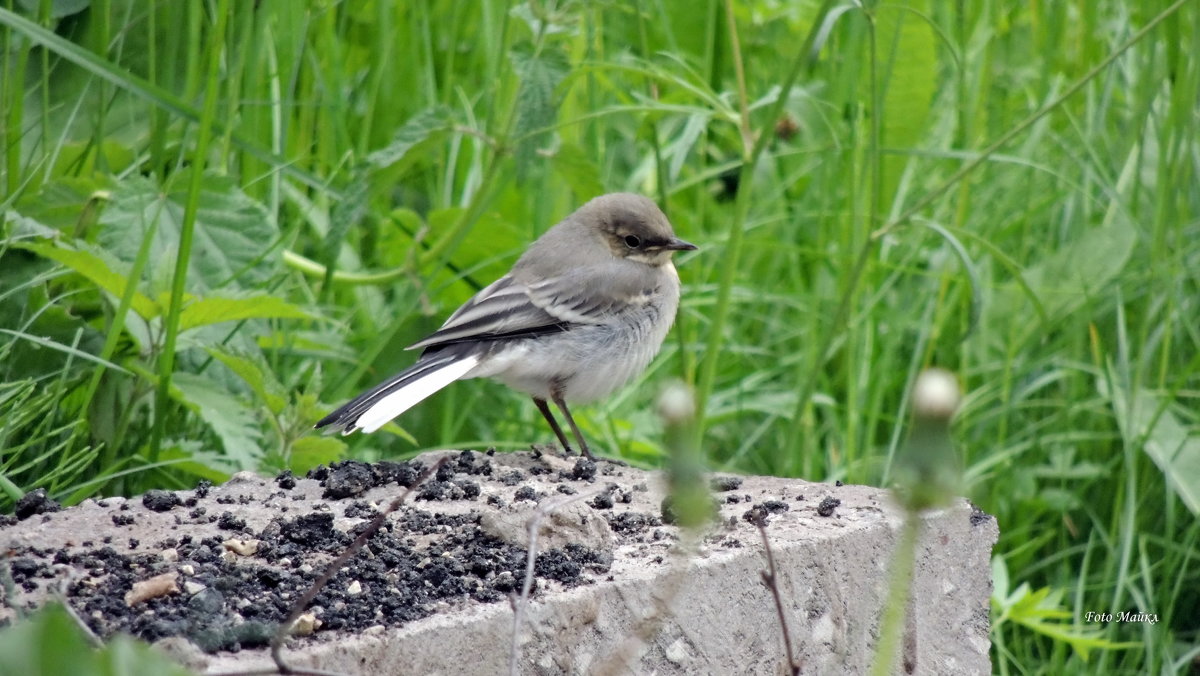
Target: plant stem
column 897, row 600
column 751, row 153
column 166, row 363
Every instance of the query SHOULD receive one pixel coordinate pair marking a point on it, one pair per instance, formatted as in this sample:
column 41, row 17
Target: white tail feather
column 411, row 394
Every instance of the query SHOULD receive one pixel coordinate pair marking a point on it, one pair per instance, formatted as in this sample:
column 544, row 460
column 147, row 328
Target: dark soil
column 722, row 484
column 35, row 502
column 240, row 554
column 417, row 562
column 827, row 506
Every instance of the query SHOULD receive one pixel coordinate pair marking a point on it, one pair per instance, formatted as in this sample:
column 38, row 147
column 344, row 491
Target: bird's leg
column 545, row 409
column 562, row 405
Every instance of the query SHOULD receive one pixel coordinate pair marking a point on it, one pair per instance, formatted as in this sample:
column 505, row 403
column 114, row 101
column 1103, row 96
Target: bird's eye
column 632, row 241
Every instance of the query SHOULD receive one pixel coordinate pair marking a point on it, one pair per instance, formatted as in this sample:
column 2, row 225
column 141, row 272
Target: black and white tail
column 374, row 408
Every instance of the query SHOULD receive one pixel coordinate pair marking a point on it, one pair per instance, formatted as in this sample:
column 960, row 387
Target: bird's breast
column 589, row 361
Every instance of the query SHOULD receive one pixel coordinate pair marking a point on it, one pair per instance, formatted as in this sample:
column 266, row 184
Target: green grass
column 1000, row 188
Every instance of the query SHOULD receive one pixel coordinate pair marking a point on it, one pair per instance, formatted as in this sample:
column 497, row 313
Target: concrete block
column 432, row 594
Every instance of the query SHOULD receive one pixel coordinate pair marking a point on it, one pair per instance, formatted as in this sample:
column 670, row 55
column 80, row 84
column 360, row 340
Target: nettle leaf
column 97, row 266
column 66, row 204
column 41, row 317
column 216, row 309
column 537, row 101
column 419, row 127
column 233, row 240
column 233, row 422
column 23, row 227
column 257, row 376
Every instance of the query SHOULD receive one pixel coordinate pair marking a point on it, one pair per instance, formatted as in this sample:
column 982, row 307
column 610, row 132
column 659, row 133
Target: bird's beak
column 677, row 244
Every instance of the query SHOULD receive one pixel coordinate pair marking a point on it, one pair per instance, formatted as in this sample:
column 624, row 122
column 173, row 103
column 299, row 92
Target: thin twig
column 770, row 579
column 706, row 377
column 519, row 603
column 739, row 71
column 331, row 570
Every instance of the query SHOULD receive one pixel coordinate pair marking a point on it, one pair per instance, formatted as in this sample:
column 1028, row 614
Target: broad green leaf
column 1146, row 418
column 21, row 227
column 1066, row 279
column 40, row 320
column 419, row 127
column 1079, row 270
column 308, row 452
column 231, row 420
column 233, row 241
column 479, row 259
column 396, row 239
column 95, row 265
column 65, row 204
column 217, row 309
column 537, row 101
column 50, row 643
column 257, row 376
column 909, row 72
column 324, row 345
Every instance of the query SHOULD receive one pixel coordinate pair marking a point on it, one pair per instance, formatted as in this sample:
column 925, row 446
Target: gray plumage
column 580, row 314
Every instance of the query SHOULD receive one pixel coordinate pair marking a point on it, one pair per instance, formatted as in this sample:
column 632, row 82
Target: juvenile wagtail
column 582, row 312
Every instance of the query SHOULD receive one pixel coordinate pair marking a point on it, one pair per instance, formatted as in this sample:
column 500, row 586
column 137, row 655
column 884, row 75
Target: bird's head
column 634, row 228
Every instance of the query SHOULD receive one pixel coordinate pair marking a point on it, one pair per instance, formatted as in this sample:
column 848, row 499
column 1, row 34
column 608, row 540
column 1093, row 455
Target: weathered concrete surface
column 833, row 579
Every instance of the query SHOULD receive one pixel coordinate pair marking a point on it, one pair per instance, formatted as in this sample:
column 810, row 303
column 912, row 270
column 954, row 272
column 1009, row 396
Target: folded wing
column 509, row 308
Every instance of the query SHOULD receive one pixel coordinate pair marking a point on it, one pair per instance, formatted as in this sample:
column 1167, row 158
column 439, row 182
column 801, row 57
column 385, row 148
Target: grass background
column 298, row 190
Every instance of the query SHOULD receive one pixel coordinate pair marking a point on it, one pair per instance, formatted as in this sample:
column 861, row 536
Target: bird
column 581, row 313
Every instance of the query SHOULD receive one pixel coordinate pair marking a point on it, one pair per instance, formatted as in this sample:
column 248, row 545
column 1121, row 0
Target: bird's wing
column 508, row 308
